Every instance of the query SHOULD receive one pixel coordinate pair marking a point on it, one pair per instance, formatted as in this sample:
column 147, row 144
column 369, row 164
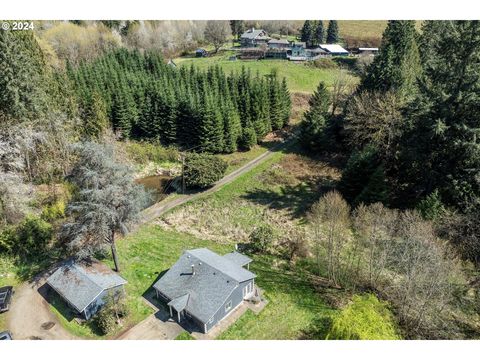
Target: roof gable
column 237, row 258
column 80, row 284
column 253, row 33
column 222, row 264
column 213, row 280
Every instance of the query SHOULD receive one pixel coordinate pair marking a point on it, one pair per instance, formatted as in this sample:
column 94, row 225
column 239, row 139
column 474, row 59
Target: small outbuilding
column 84, row 286
column 334, row 49
column 204, row 287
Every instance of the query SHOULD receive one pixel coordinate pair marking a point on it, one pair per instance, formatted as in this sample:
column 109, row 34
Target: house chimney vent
column 193, row 269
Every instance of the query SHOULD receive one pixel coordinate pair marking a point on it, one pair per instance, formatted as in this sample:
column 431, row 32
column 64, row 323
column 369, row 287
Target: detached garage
column 84, row 286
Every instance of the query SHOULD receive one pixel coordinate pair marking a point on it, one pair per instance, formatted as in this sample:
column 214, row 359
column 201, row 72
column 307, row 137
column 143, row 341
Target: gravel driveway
column 30, row 317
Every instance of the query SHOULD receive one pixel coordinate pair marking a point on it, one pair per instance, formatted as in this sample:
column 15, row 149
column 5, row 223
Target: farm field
column 300, row 76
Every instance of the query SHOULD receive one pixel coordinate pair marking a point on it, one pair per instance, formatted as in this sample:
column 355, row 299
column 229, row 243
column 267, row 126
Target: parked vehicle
column 6, row 293
column 5, row 335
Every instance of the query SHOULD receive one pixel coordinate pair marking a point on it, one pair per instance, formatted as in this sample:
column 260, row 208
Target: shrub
column 143, row 152
column 107, row 318
column 431, row 207
column 203, row 170
column 33, row 236
column 8, row 239
column 105, row 321
column 366, row 318
column 53, row 211
column 325, row 63
column 261, row 239
column 248, row 139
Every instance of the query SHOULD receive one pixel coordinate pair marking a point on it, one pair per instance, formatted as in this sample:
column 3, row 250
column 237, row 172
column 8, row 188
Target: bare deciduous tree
column 329, row 222
column 343, row 86
column 373, row 118
column 374, row 226
column 217, row 33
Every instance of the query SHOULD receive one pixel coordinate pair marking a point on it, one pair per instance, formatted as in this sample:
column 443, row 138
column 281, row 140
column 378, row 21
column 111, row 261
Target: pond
column 159, row 186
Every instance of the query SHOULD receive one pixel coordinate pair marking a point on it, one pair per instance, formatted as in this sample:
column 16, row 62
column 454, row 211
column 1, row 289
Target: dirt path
column 30, row 317
column 161, row 208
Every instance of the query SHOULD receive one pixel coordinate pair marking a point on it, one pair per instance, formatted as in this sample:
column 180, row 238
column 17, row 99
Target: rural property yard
column 300, row 77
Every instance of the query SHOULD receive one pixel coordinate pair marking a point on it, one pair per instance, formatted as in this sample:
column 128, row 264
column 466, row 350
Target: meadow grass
column 300, row 76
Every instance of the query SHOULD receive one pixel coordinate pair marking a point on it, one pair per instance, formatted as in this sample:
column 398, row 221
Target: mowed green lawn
column 300, row 77
column 293, row 303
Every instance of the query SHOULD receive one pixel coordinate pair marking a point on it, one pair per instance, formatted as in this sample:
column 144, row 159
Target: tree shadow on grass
column 296, row 199
column 56, row 301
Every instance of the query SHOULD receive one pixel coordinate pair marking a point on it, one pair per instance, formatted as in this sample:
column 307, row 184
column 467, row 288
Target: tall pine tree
column 397, row 65
column 333, row 35
column 441, row 149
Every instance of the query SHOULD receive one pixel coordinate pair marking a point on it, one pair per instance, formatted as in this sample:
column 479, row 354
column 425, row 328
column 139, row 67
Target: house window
column 228, row 306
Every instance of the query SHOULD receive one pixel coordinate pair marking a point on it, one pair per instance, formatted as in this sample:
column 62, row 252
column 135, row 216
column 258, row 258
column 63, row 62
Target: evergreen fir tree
column 397, row 65
column 315, row 119
column 441, row 148
column 94, row 116
column 307, row 32
column 333, row 35
column 319, row 33
column 23, row 75
column 286, row 102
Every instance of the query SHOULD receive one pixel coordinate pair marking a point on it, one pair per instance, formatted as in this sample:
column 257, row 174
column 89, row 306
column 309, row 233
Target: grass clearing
column 300, row 77
column 278, row 192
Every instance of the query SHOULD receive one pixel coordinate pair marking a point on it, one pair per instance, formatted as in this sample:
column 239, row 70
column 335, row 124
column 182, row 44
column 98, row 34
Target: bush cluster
column 203, row 170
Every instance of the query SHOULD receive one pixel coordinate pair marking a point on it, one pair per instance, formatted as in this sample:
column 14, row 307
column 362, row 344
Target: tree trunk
column 114, row 253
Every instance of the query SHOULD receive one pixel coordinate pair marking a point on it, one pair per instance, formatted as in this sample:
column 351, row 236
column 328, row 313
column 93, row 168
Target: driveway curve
column 30, row 317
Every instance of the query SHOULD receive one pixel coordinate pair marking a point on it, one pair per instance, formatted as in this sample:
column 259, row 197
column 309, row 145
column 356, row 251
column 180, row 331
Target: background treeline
column 411, row 128
column 207, row 110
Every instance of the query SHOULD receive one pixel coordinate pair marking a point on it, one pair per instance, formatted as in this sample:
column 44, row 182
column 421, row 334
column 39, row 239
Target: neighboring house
column 85, row 285
column 205, row 287
column 254, row 37
column 278, row 43
column 297, row 52
column 334, row 49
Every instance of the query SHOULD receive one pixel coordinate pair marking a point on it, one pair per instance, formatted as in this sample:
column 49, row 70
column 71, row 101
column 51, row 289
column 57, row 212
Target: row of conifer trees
column 209, row 110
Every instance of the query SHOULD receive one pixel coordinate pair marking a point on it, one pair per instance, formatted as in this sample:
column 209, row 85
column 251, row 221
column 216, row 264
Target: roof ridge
column 85, row 276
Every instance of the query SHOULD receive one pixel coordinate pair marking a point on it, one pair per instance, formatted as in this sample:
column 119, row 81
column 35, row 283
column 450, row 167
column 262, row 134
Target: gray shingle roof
column 214, row 280
column 180, row 302
column 279, row 41
column 252, row 33
column 238, row 258
column 81, row 283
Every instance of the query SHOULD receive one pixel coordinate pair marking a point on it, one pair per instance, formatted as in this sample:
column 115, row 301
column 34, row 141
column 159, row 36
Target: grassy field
column 300, row 77
column 361, row 28
column 278, row 192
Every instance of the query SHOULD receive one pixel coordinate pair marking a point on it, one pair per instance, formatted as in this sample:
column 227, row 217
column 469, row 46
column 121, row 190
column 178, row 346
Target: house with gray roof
column 254, row 37
column 205, row 287
column 84, row 286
